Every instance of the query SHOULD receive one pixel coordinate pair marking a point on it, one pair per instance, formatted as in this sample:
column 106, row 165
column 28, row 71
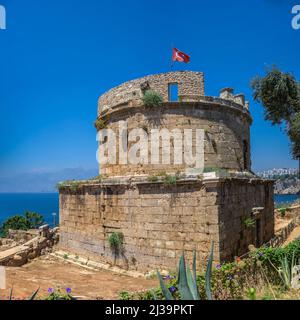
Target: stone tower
column 164, row 209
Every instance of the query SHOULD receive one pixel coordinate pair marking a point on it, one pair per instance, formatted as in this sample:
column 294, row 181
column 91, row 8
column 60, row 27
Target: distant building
column 277, row 172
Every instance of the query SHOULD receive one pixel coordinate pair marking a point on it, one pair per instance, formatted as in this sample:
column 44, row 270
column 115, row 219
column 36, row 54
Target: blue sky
column 57, row 57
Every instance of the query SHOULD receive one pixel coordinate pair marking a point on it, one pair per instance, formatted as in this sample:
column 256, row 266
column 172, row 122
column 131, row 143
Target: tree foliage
column 279, row 93
column 30, row 220
column 34, row 220
column 294, row 134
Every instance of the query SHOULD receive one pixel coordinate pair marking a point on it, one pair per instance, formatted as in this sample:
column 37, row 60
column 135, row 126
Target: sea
column 47, row 204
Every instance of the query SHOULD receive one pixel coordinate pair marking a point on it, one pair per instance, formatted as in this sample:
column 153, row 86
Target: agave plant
column 286, row 270
column 32, row 297
column 187, row 281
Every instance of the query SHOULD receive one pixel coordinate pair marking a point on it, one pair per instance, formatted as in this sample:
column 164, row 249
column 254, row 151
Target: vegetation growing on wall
column 152, row 98
column 219, row 171
column 167, row 179
column 249, row 222
column 100, row 177
column 170, row 180
column 72, row 185
column 116, row 241
column 153, row 178
column 100, row 124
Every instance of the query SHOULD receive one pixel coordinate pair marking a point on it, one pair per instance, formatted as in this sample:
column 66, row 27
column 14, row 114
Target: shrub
column 100, row 124
column 30, row 220
column 251, row 294
column 274, row 256
column 14, row 223
column 56, row 294
column 72, row 185
column 249, row 223
column 170, row 180
column 125, row 295
column 116, row 240
column 34, row 220
column 219, row 171
column 282, row 212
column 153, row 178
column 152, row 99
column 99, row 177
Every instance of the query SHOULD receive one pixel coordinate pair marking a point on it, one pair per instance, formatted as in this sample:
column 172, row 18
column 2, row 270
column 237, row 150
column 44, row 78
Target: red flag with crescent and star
column 180, row 56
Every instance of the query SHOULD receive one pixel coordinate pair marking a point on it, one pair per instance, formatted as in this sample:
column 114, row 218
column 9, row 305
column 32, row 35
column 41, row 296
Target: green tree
column 34, row 220
column 294, row 134
column 279, row 94
column 30, row 220
column 14, row 223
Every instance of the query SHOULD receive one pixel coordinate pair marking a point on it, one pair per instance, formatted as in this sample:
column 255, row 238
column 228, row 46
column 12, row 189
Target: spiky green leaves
column 187, row 281
column 208, row 274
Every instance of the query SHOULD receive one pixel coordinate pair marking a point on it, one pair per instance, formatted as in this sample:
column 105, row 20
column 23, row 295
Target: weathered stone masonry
column 160, row 221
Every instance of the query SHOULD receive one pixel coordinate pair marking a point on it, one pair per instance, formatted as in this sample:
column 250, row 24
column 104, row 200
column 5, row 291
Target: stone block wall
column 189, row 83
column 20, row 253
column 227, row 130
column 158, row 221
column 246, row 215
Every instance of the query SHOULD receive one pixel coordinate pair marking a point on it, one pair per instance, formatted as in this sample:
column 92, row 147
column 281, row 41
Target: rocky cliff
column 288, row 184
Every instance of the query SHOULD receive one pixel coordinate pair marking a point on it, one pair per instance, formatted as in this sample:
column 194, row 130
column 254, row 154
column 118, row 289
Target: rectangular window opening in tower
column 173, row 92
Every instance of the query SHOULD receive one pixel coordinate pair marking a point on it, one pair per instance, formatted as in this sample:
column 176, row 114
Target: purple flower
column 168, row 277
column 68, row 290
column 218, row 266
column 172, row 289
column 50, row 290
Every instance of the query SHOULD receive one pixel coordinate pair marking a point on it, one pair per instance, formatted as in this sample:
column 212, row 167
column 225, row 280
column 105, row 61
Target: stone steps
column 93, row 265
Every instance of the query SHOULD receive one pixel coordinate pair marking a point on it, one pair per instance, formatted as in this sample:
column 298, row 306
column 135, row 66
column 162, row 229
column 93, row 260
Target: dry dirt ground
column 49, row 272
column 85, row 284
column 294, row 235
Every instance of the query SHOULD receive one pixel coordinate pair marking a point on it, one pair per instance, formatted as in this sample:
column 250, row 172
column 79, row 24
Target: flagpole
column 172, row 62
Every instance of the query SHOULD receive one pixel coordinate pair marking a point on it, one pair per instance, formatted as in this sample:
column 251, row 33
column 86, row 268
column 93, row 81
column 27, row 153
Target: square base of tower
column 159, row 221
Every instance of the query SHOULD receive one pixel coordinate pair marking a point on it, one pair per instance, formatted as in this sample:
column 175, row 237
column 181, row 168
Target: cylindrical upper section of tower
column 225, row 120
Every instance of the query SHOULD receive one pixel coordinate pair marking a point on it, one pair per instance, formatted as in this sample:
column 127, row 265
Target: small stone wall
column 289, row 213
column 246, row 215
column 282, row 235
column 39, row 245
column 22, row 235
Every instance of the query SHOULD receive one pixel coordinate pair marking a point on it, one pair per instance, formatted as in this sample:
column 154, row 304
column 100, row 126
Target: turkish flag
column 180, row 56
